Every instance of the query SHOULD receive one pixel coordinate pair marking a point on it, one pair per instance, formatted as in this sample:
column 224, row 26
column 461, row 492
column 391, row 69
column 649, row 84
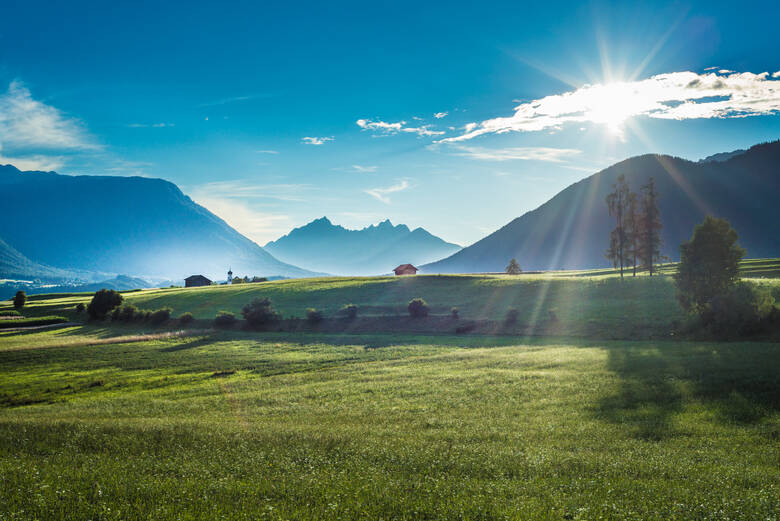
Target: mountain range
column 571, row 230
column 323, row 246
column 134, row 225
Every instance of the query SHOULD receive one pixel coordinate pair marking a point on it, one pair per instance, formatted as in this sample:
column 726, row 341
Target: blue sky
column 454, row 117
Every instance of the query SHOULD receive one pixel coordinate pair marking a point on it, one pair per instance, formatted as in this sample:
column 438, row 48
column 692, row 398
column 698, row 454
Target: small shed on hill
column 405, row 269
column 196, row 280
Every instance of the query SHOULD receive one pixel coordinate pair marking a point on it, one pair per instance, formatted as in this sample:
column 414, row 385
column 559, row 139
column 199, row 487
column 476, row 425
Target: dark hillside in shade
column 571, row 230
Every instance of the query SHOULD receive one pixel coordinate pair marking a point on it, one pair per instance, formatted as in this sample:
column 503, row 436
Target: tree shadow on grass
column 193, row 343
column 738, row 382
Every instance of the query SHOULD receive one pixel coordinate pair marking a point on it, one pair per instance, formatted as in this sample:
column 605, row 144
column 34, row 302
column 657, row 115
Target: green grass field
column 593, row 303
column 106, row 421
column 99, row 424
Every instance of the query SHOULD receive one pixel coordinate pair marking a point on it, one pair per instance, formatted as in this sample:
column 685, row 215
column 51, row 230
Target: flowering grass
column 230, row 425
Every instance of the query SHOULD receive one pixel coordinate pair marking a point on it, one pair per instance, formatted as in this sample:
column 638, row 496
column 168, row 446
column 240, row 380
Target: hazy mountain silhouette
column 571, row 230
column 324, row 246
column 145, row 227
column 14, row 265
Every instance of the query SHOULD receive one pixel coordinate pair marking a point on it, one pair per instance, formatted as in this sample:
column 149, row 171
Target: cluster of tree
column 636, row 239
column 247, row 280
column 709, row 287
column 20, row 299
column 108, row 302
column 514, row 268
column 260, row 313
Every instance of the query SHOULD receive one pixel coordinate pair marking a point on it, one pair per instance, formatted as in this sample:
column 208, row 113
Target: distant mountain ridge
column 139, row 226
column 722, row 156
column 571, row 230
column 323, row 246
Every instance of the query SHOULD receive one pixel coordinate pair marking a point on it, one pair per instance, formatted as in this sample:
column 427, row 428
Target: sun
column 612, row 105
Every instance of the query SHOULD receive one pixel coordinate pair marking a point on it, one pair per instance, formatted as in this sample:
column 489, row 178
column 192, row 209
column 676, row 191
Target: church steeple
column 230, row 276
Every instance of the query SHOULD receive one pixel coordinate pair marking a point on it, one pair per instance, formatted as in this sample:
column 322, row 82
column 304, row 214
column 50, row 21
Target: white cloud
column 267, row 152
column 776, row 74
column 245, row 189
column 26, row 123
column 381, row 193
column 364, row 169
column 316, row 140
column 554, row 155
column 677, row 95
column 394, row 128
column 440, row 115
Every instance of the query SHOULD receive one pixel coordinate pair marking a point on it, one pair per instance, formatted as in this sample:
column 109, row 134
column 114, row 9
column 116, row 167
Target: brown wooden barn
column 405, row 269
column 194, row 281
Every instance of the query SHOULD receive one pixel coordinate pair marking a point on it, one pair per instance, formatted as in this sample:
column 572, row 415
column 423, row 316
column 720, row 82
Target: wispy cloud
column 246, row 189
column 259, row 226
column 316, row 140
column 233, row 99
column 151, row 125
column 440, row 115
column 28, row 124
column 677, row 95
column 553, row 155
column 394, row 128
column 274, row 152
column 364, row 169
column 381, row 193
column 33, row 162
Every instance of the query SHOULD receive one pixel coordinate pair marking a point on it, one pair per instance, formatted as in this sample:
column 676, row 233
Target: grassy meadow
column 96, row 424
column 106, row 421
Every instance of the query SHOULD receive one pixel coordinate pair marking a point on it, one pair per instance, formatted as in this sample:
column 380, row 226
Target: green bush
column 314, row 315
column 80, row 307
column 186, row 318
column 10, row 313
column 125, row 313
column 350, row 311
column 19, row 299
column 418, row 308
column 745, row 309
column 103, row 302
column 511, row 316
column 260, row 312
column 159, row 316
column 224, row 319
column 709, row 265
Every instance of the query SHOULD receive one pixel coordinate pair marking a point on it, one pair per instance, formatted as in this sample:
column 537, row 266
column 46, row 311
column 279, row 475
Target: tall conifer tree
column 617, row 203
column 650, row 227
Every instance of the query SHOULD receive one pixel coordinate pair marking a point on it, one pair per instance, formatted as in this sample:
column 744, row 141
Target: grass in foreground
column 241, row 426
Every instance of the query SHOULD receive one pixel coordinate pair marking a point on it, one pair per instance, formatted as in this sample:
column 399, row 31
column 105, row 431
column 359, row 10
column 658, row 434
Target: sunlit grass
column 280, row 426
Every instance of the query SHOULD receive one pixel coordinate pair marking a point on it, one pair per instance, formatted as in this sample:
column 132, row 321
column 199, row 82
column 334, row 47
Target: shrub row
column 130, row 313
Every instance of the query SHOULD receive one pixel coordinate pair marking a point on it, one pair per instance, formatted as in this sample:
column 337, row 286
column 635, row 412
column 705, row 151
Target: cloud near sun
column 677, row 95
